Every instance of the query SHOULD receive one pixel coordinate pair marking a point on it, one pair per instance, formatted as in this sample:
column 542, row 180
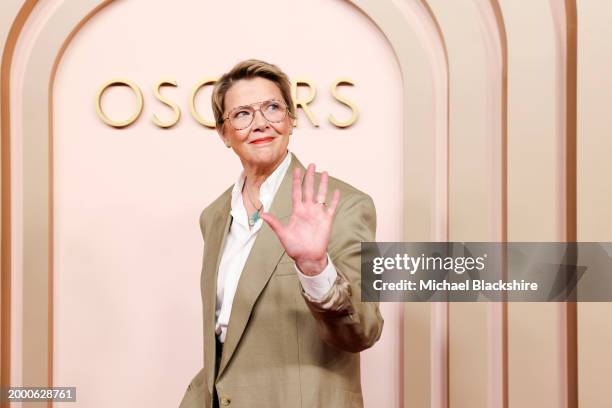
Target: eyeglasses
column 272, row 110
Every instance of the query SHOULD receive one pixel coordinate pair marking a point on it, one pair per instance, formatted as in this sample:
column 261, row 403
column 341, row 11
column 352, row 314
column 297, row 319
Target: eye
column 272, row 107
column 240, row 114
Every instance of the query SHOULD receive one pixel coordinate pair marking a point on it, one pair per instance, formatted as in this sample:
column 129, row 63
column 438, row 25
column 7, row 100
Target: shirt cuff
column 317, row 286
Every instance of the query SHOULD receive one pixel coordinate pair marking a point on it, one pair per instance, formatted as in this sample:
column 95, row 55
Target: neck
column 255, row 176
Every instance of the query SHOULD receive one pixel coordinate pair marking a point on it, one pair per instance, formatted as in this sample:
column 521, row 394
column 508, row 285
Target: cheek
column 237, row 136
column 284, row 128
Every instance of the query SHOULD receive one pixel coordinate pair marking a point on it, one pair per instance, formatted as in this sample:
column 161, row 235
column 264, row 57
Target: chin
column 266, row 157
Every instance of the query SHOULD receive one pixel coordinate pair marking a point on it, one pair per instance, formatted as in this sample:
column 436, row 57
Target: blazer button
column 225, row 401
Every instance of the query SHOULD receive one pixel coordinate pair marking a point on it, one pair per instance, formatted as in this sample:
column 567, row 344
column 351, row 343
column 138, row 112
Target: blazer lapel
column 265, row 255
column 220, row 223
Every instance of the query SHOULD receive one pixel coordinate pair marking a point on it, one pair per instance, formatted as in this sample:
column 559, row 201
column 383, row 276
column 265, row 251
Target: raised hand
column 306, row 236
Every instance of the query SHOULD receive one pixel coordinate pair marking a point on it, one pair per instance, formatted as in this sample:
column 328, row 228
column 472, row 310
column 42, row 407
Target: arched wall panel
column 471, row 116
column 536, row 196
column 594, row 189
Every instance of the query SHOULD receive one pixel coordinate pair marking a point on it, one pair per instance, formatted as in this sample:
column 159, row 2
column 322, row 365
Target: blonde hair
column 248, row 69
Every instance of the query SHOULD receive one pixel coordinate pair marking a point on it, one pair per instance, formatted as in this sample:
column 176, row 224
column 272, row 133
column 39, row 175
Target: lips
column 262, row 140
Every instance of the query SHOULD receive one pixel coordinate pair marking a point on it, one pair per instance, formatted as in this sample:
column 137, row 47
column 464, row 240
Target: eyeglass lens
column 242, row 117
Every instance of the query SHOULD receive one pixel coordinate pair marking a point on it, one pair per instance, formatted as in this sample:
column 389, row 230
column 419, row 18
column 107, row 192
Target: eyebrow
column 251, row 104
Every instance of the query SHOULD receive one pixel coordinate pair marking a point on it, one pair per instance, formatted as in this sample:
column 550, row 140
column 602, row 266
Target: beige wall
column 472, row 142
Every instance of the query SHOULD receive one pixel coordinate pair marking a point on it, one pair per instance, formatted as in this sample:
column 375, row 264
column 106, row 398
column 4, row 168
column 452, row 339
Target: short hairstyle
column 249, row 69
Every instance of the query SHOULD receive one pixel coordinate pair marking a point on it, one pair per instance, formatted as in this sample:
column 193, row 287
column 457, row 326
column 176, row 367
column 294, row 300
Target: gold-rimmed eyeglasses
column 272, row 110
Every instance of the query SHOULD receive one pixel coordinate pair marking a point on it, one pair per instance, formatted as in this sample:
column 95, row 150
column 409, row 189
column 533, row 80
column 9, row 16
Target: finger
column 335, row 200
column 307, row 194
column 274, row 223
column 322, row 193
column 296, row 194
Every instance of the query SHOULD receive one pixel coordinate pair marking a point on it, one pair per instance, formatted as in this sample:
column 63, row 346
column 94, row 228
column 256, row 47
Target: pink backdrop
column 127, row 240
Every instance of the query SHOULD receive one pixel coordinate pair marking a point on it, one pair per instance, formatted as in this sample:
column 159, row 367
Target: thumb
column 274, row 223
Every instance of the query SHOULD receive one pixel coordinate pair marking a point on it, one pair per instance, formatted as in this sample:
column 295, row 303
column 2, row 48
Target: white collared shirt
column 240, row 240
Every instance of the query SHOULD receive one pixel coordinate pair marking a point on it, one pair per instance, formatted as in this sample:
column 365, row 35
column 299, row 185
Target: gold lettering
column 303, row 103
column 351, row 105
column 205, row 122
column 175, row 108
column 131, row 119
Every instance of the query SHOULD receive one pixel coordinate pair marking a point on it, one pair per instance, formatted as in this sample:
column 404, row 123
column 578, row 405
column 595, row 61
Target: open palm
column 306, row 235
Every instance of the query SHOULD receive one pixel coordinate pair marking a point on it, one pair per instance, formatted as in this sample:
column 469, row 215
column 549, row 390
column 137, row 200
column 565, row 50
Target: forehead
column 252, row 90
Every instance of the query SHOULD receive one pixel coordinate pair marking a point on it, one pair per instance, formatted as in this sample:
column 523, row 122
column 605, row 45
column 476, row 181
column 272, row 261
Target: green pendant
column 254, row 218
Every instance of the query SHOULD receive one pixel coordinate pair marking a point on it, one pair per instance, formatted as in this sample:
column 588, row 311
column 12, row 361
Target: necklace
column 255, row 216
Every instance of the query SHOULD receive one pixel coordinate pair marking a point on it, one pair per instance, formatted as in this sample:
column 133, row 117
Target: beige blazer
column 282, row 348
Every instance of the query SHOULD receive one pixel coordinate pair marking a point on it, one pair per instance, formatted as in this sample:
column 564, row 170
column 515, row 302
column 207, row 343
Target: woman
column 283, row 321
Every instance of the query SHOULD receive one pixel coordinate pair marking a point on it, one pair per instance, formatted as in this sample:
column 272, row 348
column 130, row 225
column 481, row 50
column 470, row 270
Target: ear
column 293, row 120
column 224, row 139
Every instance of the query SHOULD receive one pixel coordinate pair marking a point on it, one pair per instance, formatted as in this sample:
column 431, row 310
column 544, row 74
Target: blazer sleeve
column 342, row 319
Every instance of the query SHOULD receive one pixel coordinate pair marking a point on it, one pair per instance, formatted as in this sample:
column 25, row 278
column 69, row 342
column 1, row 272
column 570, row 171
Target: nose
column 259, row 121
